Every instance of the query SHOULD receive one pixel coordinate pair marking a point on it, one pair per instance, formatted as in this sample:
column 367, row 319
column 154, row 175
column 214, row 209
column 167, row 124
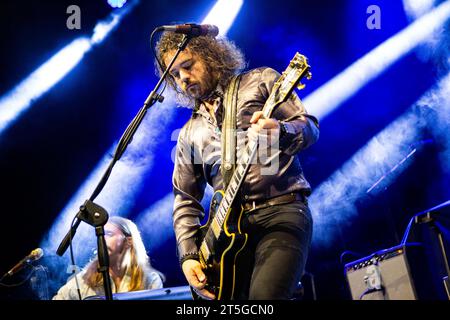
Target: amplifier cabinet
column 397, row 273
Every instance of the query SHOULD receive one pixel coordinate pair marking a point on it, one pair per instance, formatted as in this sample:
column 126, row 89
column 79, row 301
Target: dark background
column 50, row 150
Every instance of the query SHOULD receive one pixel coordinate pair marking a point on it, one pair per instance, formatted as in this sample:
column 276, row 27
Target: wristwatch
column 286, row 135
column 284, row 129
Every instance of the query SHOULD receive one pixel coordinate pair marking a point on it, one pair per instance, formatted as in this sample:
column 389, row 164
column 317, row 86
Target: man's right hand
column 196, row 277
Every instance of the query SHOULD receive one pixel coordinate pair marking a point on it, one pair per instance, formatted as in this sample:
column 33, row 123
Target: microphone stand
column 94, row 214
column 429, row 217
column 392, row 170
column 416, row 146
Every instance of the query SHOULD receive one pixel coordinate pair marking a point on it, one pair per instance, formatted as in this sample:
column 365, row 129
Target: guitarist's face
column 191, row 74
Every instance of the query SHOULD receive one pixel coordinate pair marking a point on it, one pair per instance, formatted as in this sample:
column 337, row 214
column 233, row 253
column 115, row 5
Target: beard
column 186, row 100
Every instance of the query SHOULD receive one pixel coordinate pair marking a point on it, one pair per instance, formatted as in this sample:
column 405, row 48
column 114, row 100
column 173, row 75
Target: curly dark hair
column 223, row 59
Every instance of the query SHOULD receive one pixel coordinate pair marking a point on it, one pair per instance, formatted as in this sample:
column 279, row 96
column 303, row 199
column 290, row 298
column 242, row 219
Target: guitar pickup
column 205, row 253
column 215, row 228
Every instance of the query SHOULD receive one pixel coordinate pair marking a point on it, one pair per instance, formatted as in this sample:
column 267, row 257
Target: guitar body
column 220, row 266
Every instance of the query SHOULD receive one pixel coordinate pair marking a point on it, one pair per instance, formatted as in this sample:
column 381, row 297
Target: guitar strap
column 229, row 131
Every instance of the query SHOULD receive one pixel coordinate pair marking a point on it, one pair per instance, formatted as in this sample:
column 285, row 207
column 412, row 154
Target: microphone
column 35, row 255
column 192, row 29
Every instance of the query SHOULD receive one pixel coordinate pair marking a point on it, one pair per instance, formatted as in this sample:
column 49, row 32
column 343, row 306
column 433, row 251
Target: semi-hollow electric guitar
column 220, row 240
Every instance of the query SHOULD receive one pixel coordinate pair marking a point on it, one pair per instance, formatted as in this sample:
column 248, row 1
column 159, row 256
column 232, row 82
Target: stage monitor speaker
column 397, row 273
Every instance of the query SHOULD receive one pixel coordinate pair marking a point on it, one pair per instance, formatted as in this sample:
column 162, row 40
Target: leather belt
column 285, row 198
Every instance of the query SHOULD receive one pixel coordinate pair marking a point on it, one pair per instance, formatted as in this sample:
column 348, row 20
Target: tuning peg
column 309, row 75
column 301, row 86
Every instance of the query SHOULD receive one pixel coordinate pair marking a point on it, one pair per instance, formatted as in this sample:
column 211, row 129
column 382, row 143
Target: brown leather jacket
column 198, row 154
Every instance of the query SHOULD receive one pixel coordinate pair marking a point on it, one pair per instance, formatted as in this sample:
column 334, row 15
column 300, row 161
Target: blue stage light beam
column 436, row 49
column 128, row 174
column 332, row 94
column 117, row 3
column 119, row 193
column 375, row 165
column 417, row 8
column 156, row 221
column 19, row 99
column 440, row 128
column 40, row 81
column 223, row 14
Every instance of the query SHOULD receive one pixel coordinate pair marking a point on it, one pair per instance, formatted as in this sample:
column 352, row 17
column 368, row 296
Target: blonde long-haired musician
column 130, row 268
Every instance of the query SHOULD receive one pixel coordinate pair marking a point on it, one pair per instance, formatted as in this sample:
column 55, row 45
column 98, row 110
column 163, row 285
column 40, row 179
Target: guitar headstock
column 297, row 69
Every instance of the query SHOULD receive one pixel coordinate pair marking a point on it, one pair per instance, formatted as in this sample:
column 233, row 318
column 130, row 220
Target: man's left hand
column 264, row 126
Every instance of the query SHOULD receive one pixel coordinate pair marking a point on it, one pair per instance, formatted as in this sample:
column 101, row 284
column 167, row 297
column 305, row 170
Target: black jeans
column 273, row 261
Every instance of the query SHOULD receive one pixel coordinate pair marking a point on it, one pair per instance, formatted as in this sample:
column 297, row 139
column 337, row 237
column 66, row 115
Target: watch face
column 284, row 128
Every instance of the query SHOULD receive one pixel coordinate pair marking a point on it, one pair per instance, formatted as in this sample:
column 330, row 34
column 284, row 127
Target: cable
column 153, row 48
column 16, row 284
column 356, row 254
column 156, row 57
column 72, row 259
column 408, row 228
column 370, row 290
